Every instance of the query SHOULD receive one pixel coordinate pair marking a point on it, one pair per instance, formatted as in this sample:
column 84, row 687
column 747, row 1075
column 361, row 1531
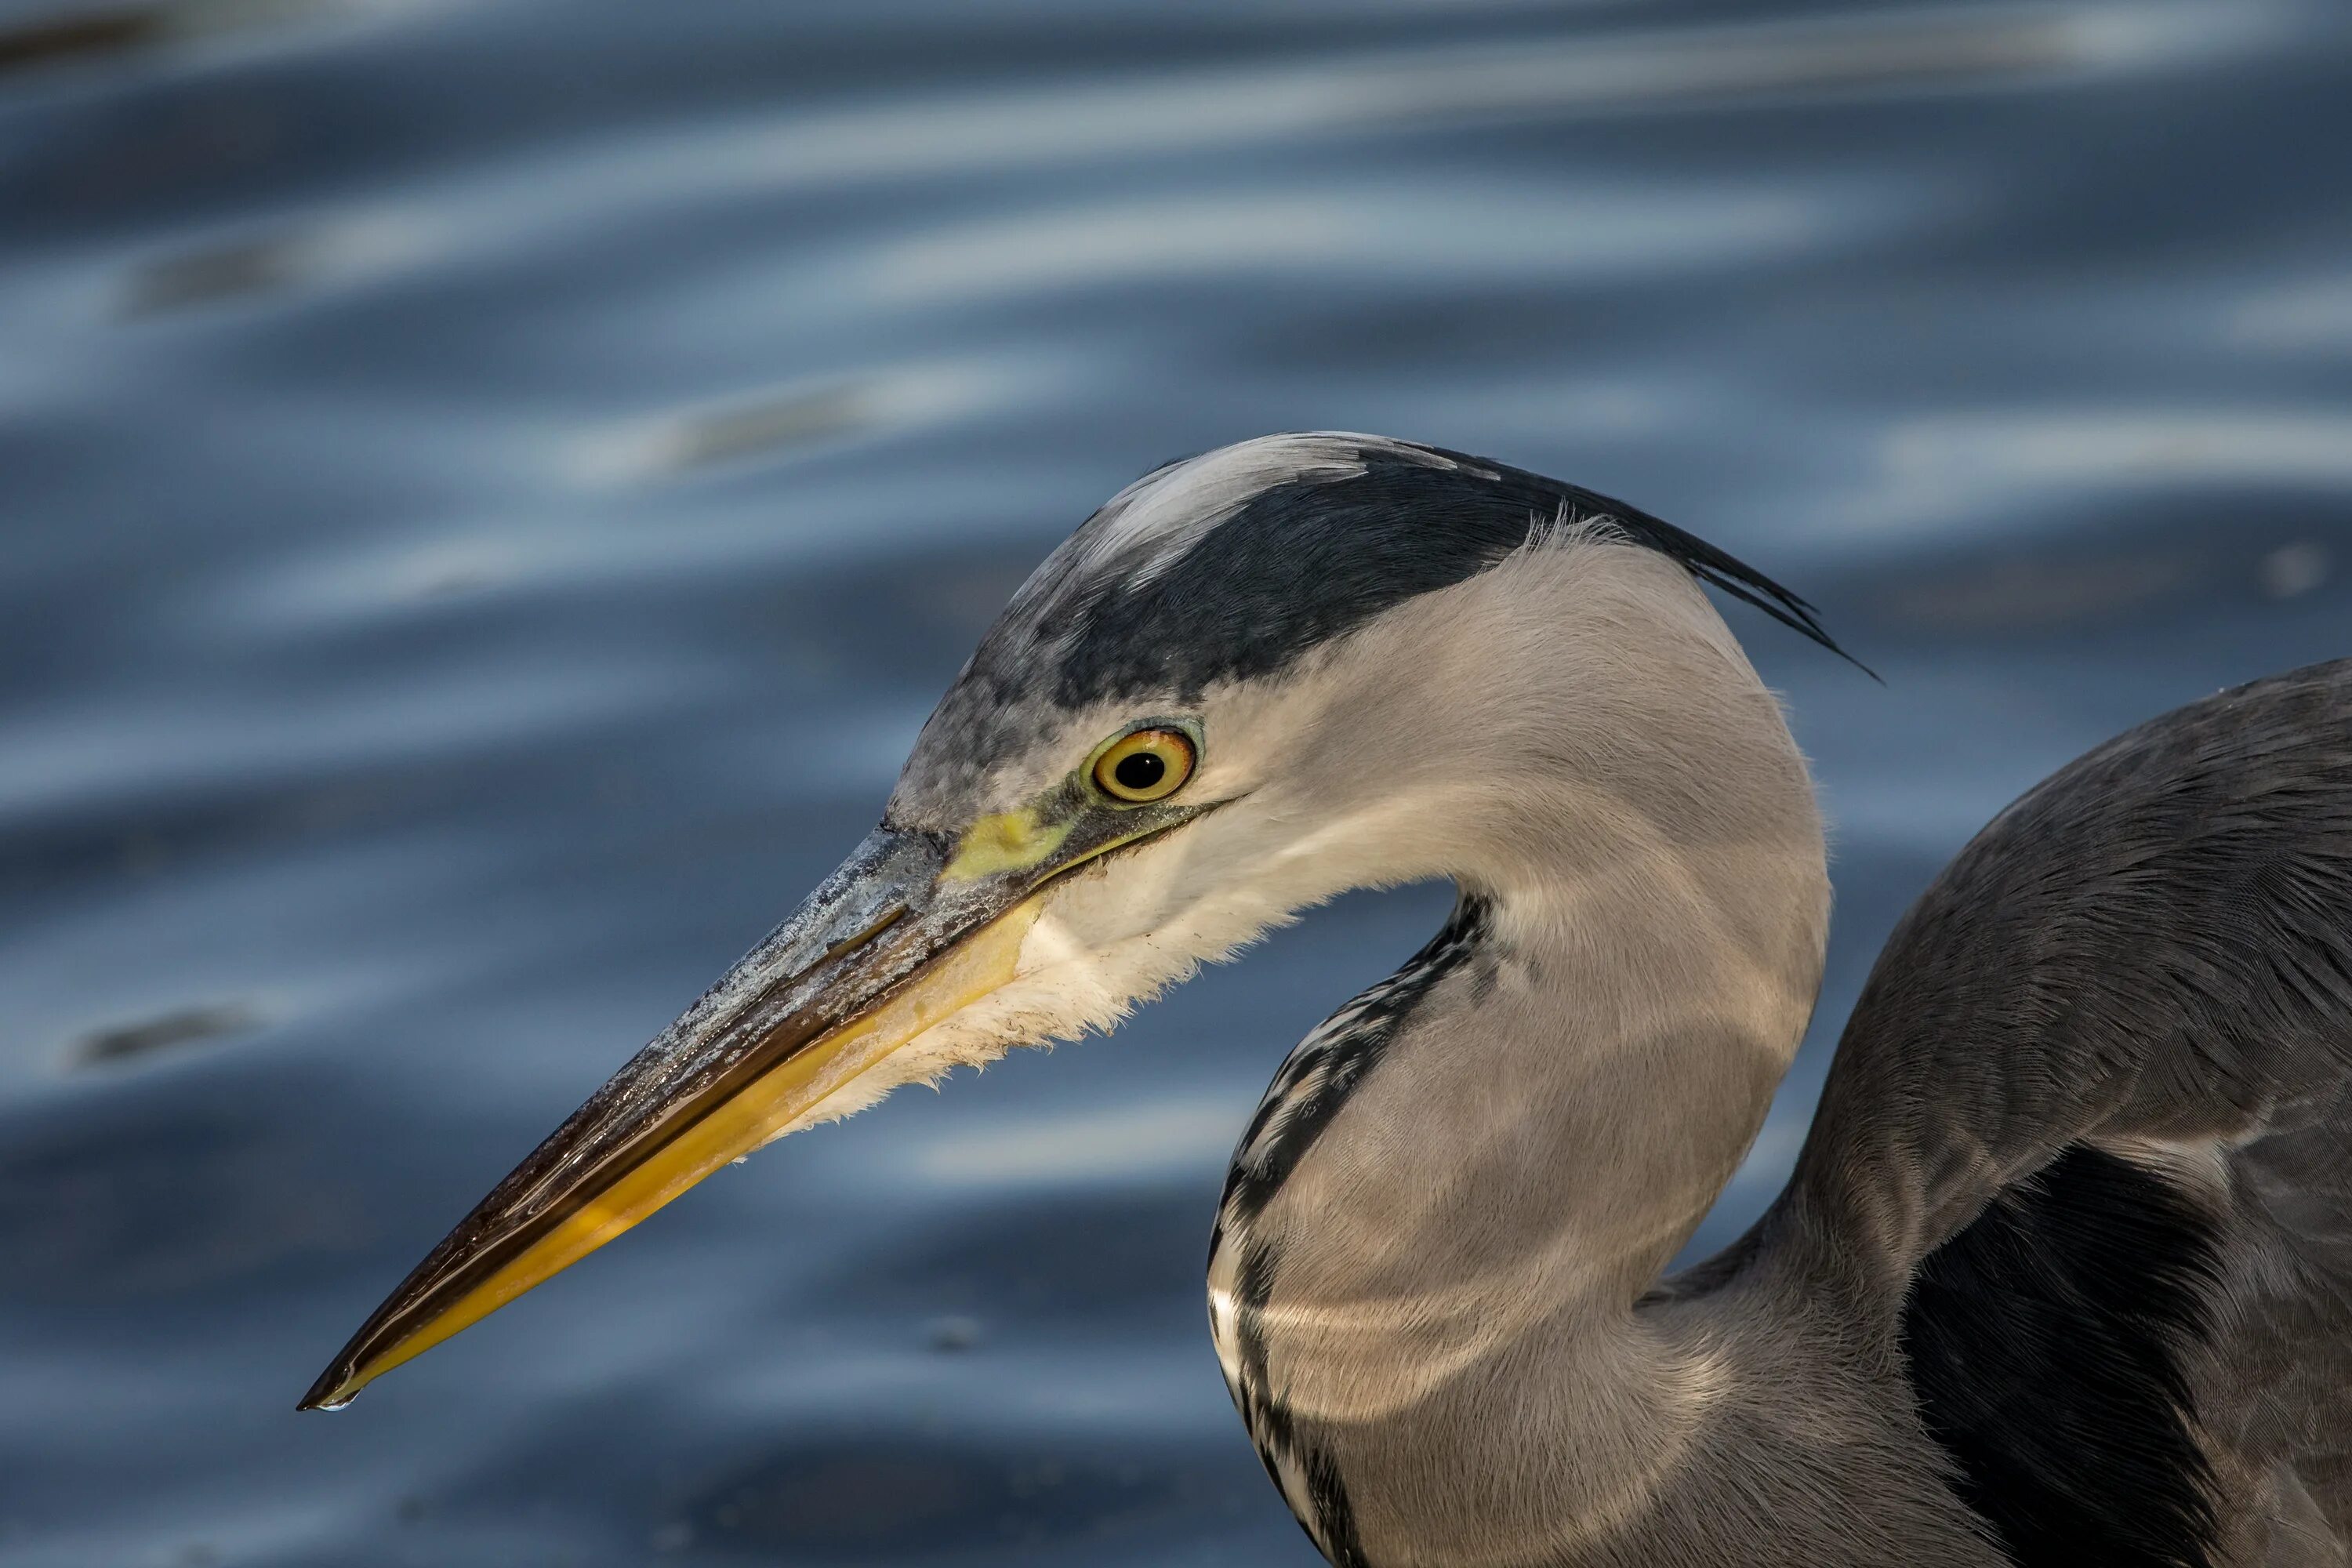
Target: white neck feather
column 1439, row 1300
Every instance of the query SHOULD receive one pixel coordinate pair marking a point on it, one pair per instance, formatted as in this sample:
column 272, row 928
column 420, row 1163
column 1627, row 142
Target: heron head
column 1253, row 679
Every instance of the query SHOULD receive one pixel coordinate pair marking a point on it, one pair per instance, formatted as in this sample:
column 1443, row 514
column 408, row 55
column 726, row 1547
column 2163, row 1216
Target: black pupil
column 1139, row 771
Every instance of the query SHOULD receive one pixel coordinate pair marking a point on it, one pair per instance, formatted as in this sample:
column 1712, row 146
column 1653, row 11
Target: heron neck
column 1520, row 1129
column 1505, row 1143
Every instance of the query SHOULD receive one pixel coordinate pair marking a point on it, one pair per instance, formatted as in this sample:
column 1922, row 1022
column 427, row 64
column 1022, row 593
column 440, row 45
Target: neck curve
column 1437, row 1229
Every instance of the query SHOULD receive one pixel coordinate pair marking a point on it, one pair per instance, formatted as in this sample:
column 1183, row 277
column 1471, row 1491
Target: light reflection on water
column 494, row 488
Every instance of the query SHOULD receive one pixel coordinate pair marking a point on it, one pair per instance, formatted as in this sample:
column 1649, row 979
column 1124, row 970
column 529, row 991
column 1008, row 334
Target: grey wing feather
column 2139, row 972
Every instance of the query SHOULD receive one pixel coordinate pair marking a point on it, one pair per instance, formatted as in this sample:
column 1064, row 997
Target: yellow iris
column 1145, row 766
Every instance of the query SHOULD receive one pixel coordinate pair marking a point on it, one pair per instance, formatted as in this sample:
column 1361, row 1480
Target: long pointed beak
column 883, row 949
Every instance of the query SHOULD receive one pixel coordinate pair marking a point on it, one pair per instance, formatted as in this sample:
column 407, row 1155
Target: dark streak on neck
column 1315, row 1081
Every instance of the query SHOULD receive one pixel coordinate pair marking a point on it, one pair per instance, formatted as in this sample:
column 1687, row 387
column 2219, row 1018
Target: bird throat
column 1438, row 1222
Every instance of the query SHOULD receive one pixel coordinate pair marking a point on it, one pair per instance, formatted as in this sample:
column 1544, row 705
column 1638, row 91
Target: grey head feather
column 1235, row 564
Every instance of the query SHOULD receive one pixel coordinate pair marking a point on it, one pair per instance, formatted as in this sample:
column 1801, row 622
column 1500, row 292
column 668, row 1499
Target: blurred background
column 491, row 489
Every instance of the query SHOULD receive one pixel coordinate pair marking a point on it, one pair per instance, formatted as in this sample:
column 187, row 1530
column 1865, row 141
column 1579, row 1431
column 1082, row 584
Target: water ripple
column 495, row 489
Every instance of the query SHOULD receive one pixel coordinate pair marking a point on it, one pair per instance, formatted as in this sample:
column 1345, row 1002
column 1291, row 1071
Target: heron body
column 2064, row 1274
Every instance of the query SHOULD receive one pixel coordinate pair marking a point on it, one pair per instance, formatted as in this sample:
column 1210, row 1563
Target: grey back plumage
column 2095, row 1094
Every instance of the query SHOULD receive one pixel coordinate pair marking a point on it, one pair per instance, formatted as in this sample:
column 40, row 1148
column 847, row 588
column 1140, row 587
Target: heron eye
column 1151, row 764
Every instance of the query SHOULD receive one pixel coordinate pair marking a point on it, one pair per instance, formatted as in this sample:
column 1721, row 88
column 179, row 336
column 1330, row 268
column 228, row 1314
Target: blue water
column 492, row 488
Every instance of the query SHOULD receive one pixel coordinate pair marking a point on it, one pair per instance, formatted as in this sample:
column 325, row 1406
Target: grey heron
column 2064, row 1273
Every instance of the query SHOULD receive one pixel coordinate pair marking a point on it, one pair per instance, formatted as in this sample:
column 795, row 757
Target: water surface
column 492, row 488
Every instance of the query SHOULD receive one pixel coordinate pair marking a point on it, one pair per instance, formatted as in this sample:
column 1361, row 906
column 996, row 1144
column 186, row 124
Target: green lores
column 1091, row 811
